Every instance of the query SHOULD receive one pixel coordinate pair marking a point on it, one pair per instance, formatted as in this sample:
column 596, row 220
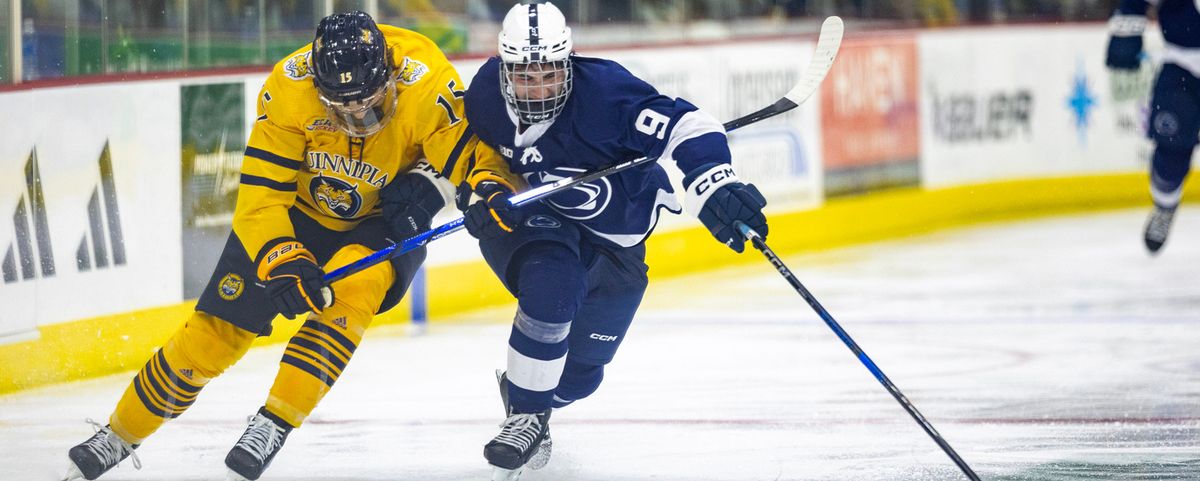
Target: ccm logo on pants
column 603, row 337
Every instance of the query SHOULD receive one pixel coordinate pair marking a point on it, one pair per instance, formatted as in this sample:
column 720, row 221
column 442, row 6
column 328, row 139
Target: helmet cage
column 536, row 91
column 535, row 61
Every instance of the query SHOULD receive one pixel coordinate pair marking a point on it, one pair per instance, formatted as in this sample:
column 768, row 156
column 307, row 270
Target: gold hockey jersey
column 297, row 157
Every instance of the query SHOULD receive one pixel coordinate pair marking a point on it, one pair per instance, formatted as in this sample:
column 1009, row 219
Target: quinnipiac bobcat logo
column 296, row 67
column 231, row 286
column 336, row 196
column 411, row 71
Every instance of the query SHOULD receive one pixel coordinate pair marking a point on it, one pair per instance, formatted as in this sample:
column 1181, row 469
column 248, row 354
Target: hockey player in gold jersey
column 333, row 171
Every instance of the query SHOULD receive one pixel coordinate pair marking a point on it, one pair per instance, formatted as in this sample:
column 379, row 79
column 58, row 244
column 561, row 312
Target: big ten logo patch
column 336, row 196
column 231, row 286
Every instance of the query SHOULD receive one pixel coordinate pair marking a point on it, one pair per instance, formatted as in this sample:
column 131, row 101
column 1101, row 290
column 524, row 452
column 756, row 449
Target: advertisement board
column 91, row 182
column 869, row 116
column 213, row 139
column 1036, row 105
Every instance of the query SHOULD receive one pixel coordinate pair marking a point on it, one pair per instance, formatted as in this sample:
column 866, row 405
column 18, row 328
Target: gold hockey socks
column 319, row 352
column 170, row 381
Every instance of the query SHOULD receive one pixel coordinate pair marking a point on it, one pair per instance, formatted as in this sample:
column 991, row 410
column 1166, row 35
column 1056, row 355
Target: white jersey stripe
column 534, row 374
column 689, row 126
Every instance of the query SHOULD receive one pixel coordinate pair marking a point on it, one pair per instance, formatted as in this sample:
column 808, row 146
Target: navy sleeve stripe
column 248, row 179
column 448, row 170
column 279, row 160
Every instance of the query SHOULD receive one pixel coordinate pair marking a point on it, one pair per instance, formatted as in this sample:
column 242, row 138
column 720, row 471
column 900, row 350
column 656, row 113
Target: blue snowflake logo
column 1081, row 102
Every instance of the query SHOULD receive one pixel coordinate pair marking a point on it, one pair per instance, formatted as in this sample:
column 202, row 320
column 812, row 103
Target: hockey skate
column 99, row 454
column 257, row 447
column 542, row 457
column 523, row 442
column 1157, row 228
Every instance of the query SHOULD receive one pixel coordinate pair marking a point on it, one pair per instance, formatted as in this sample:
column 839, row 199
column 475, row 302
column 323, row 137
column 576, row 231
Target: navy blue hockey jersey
column 1180, row 23
column 611, row 116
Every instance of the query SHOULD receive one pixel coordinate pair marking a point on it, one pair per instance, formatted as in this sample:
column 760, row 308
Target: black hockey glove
column 1125, row 43
column 718, row 199
column 492, row 216
column 1124, row 53
column 293, row 279
column 409, row 203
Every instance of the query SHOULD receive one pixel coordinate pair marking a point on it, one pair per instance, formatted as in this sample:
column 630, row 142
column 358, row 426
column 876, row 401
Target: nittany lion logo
column 412, row 71
column 336, row 196
column 582, row 202
column 296, row 67
column 231, row 286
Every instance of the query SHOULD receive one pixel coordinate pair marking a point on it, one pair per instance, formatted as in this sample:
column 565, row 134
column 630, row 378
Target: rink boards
column 118, row 192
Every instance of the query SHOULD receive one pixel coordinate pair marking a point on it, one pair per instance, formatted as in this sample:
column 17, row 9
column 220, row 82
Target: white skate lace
column 109, row 447
column 261, row 438
column 520, row 431
column 1160, row 224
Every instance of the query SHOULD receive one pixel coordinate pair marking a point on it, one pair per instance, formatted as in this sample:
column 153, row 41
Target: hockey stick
column 761, row 245
column 828, row 43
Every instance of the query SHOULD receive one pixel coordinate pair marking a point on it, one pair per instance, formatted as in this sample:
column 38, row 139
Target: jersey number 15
column 458, row 94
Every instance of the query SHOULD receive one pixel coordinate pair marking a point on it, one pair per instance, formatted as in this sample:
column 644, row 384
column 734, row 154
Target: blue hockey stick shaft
column 761, row 245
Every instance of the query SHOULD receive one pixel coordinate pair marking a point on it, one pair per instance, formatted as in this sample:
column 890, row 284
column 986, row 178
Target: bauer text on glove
column 293, row 279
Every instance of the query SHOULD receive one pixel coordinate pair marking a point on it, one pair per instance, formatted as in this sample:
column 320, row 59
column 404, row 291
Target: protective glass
column 360, row 118
column 536, row 91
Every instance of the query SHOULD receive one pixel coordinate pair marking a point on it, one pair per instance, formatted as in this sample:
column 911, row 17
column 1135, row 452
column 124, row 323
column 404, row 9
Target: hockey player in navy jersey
column 1174, row 122
column 575, row 262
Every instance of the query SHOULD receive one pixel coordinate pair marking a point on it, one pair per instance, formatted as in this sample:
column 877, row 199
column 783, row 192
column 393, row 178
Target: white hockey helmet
column 535, row 55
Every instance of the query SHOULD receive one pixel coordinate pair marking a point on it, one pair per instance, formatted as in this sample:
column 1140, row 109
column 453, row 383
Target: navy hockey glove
column 293, row 280
column 718, row 199
column 1124, row 53
column 1125, row 44
column 493, row 215
column 409, row 203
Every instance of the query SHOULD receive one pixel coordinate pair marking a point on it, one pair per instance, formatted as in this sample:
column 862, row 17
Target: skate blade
column 501, row 474
column 73, row 473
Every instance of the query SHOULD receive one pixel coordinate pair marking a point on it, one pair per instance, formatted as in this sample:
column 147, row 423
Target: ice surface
column 1047, row 350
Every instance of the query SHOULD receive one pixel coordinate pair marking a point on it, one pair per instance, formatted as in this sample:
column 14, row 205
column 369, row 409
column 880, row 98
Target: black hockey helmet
column 352, row 69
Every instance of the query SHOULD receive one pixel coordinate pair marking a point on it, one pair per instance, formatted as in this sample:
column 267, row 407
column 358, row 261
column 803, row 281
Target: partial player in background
column 1174, row 122
column 576, row 262
column 342, row 130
